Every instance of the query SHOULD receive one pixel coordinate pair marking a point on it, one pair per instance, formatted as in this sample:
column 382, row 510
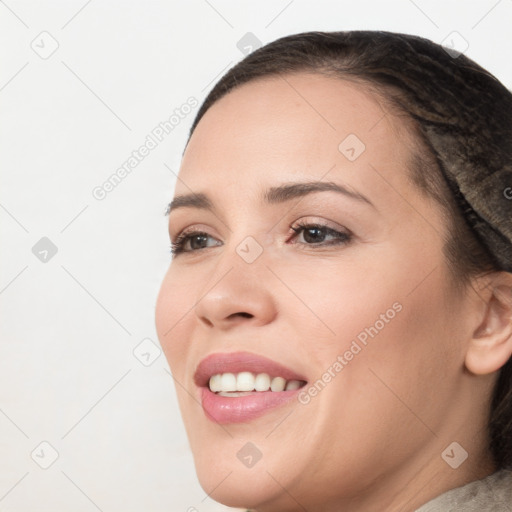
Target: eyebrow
column 273, row 195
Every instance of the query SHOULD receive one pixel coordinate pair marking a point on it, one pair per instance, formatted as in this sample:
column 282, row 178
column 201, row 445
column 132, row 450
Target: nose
column 238, row 293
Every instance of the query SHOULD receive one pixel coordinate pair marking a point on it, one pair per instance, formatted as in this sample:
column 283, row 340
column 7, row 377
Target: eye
column 315, row 234
column 195, row 239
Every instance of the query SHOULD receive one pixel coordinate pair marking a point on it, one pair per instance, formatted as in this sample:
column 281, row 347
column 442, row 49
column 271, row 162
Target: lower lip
column 238, row 409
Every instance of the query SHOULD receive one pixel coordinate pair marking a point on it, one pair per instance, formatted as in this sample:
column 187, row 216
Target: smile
column 227, row 384
column 240, row 386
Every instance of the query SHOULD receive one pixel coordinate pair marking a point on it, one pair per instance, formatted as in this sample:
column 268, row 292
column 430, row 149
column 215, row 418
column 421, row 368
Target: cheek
column 399, row 362
column 172, row 314
column 338, row 303
column 387, row 318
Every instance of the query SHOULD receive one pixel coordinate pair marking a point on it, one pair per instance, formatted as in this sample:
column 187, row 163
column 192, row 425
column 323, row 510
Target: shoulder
column 491, row 494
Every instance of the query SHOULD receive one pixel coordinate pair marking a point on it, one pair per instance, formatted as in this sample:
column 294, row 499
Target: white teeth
column 262, row 382
column 243, row 383
column 228, row 382
column 234, row 393
column 216, row 383
column 292, row 384
column 278, row 384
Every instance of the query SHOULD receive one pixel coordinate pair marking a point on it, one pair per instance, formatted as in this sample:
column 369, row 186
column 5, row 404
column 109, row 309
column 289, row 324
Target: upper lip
column 236, row 362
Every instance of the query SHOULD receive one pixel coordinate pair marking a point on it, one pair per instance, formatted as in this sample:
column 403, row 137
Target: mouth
column 240, row 386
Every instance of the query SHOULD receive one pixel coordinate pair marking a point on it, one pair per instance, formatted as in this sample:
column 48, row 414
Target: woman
column 338, row 311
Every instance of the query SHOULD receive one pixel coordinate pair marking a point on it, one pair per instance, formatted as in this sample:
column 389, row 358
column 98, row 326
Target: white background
column 69, row 326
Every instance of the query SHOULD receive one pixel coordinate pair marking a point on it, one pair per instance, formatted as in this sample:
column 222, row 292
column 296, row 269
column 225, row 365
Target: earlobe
column 491, row 345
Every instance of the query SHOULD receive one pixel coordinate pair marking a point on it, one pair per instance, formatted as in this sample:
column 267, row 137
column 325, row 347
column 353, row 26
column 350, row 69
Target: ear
column 491, row 344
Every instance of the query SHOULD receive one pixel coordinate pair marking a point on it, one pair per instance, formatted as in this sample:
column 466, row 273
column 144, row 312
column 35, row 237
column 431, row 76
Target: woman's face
column 360, row 308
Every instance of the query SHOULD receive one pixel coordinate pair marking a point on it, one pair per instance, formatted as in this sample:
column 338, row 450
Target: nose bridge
column 238, row 287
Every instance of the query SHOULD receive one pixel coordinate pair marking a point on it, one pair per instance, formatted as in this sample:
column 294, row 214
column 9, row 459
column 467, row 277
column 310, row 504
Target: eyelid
column 191, row 228
column 314, row 219
column 343, row 236
column 306, row 219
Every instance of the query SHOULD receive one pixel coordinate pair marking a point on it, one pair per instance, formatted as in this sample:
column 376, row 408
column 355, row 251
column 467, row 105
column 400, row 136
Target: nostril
column 245, row 315
column 207, row 322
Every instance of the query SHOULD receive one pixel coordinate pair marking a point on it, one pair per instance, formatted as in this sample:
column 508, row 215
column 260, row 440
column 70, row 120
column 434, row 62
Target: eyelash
column 177, row 247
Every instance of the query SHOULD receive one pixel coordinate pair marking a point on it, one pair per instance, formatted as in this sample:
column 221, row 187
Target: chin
column 234, row 487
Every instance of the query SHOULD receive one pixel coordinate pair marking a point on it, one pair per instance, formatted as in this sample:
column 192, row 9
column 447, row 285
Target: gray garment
column 491, row 494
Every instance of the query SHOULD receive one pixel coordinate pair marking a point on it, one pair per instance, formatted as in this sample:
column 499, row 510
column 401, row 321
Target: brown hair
column 461, row 116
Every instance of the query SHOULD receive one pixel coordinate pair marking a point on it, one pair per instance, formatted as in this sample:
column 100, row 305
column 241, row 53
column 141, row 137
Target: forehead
column 300, row 126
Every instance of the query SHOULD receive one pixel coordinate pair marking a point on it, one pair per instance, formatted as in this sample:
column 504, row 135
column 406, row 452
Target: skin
column 372, row 439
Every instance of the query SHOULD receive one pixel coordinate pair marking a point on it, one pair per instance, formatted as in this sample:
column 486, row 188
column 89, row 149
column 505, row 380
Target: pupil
column 202, row 238
column 315, row 238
